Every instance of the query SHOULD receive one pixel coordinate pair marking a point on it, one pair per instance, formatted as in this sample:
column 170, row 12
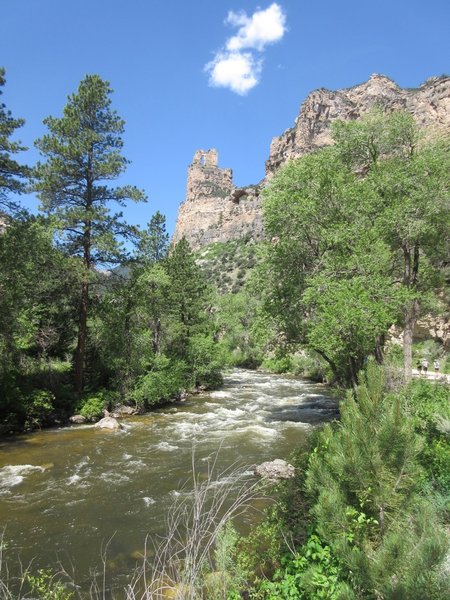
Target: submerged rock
column 275, row 470
column 108, row 423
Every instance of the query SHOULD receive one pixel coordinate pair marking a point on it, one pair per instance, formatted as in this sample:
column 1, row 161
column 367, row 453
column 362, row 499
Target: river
column 65, row 492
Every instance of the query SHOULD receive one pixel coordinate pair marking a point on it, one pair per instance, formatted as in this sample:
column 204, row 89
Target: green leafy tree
column 327, row 285
column 38, row 286
column 358, row 237
column 83, row 153
column 12, row 174
column 409, row 175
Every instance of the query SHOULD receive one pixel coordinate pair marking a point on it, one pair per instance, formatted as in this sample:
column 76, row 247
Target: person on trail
column 424, row 366
column 436, row 367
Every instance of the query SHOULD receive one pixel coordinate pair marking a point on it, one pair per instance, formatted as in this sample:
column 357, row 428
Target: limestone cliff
column 429, row 104
column 216, row 210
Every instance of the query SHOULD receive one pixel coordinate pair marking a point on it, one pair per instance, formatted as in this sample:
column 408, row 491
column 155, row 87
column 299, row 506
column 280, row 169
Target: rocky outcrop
column 429, row 104
column 215, row 210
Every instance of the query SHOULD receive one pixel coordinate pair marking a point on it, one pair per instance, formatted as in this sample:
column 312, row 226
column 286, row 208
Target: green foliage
column 154, row 242
column 83, row 153
column 205, row 360
column 163, row 383
column 227, row 581
column 365, row 478
column 347, row 224
column 47, row 587
column 92, row 406
column 39, row 407
column 12, row 174
column 311, row 574
column 429, row 405
column 186, row 297
column 282, row 364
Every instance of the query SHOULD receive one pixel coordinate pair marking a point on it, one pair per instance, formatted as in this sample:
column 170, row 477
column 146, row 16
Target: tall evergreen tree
column 12, row 174
column 186, row 296
column 83, row 153
column 154, row 241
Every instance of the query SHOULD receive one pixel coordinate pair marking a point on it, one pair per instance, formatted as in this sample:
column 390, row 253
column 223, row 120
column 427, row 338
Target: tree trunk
column 410, row 319
column 157, row 333
column 80, row 353
column 331, row 363
column 379, row 348
column 410, row 279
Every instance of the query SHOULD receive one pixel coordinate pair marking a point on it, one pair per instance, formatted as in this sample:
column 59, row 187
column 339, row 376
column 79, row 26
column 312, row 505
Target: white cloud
column 238, row 70
column 262, row 28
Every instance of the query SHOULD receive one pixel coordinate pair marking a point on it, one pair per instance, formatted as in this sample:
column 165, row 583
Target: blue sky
column 155, row 55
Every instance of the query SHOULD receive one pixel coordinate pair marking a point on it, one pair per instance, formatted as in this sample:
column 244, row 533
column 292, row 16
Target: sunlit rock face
column 429, row 104
column 215, row 210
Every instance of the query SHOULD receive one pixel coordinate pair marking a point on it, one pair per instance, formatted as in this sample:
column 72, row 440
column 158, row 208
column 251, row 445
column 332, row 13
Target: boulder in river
column 77, row 419
column 108, row 423
column 275, row 470
column 124, row 411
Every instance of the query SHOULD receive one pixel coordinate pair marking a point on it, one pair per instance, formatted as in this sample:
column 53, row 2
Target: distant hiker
column 436, row 367
column 419, row 367
column 424, row 366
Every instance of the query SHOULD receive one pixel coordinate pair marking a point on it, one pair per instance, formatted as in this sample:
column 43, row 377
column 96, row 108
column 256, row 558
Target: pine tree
column 154, row 241
column 365, row 480
column 83, row 153
column 12, row 174
column 186, row 296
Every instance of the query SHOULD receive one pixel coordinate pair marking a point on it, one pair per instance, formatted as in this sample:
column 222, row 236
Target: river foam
column 12, row 475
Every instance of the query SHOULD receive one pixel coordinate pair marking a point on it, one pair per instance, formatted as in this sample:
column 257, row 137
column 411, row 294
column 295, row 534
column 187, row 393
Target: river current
column 65, row 492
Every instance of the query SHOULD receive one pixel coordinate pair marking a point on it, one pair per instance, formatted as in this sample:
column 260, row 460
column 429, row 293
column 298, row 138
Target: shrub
column 92, row 406
column 39, row 408
column 280, row 364
column 163, row 383
column 206, row 360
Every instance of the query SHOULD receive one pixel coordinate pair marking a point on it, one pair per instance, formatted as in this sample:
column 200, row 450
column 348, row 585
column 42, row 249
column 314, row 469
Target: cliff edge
column 215, row 210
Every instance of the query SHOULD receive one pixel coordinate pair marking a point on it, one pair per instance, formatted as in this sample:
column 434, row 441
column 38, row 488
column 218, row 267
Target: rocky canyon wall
column 215, row 210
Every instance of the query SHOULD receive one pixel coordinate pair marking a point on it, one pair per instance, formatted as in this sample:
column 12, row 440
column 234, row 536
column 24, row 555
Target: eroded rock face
column 215, row 210
column 429, row 104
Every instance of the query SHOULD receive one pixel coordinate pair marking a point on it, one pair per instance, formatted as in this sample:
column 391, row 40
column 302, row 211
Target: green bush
column 47, row 586
column 282, row 364
column 39, row 408
column 162, row 384
column 92, row 405
column 206, row 360
column 313, row 573
column 429, row 406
